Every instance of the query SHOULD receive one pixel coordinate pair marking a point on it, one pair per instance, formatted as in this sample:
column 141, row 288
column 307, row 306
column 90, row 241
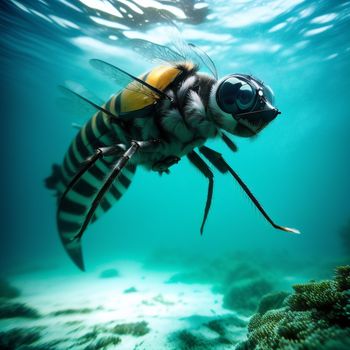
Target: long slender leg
column 199, row 163
column 229, row 143
column 118, row 167
column 89, row 162
column 218, row 161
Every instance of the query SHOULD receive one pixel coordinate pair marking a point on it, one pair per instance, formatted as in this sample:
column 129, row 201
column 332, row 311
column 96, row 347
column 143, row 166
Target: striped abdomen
column 97, row 132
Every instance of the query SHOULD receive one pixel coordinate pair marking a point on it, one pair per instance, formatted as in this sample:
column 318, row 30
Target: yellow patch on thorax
column 137, row 96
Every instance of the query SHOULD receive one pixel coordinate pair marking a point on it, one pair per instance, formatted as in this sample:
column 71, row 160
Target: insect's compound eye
column 235, row 94
column 245, row 97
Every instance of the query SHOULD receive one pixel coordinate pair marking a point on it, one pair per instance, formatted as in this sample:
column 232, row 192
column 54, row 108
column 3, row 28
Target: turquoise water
column 298, row 167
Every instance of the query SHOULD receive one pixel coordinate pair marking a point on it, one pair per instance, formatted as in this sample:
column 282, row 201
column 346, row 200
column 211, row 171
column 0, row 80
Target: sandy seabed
column 123, row 306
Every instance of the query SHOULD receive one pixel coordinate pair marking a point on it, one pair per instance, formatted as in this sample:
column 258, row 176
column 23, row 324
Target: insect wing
column 156, row 53
column 76, row 96
column 122, row 78
column 182, row 51
column 74, row 101
column 205, row 59
column 196, row 55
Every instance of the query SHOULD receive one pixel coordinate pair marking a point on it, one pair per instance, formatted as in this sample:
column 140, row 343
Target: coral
column 12, row 310
column 245, row 296
column 109, row 273
column 7, row 291
column 343, row 278
column 272, row 301
column 17, row 338
column 137, row 329
column 319, row 295
column 315, row 317
column 341, row 343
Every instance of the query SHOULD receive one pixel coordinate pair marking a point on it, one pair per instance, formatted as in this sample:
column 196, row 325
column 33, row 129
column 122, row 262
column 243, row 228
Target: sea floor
column 163, row 302
column 124, row 305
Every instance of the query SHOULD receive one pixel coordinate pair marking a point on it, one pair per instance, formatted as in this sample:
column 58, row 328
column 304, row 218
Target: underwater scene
column 223, row 120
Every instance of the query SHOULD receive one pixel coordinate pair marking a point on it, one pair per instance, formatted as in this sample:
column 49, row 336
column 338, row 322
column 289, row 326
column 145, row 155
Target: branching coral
column 316, row 316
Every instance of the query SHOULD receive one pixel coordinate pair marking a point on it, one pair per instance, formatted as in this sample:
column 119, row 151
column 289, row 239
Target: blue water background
column 298, row 167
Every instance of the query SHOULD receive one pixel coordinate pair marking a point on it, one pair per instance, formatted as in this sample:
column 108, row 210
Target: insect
column 155, row 120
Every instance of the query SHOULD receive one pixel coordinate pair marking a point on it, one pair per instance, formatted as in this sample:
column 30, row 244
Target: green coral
column 315, row 317
column 343, row 278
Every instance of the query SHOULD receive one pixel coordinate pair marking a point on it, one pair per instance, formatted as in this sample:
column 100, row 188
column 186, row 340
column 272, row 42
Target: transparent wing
column 82, row 90
column 181, row 51
column 72, row 102
column 205, row 59
column 75, row 108
column 156, row 53
column 83, row 102
column 193, row 53
column 126, row 80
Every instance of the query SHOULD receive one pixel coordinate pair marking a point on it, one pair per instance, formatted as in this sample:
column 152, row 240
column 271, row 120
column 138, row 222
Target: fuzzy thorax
column 189, row 120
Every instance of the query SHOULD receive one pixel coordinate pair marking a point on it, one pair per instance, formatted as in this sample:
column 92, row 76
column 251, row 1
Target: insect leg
column 117, row 168
column 219, row 162
column 89, row 162
column 199, row 163
column 229, row 143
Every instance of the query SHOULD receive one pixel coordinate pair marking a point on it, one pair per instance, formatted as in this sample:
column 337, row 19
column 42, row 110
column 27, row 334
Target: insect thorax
column 181, row 124
column 186, row 121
